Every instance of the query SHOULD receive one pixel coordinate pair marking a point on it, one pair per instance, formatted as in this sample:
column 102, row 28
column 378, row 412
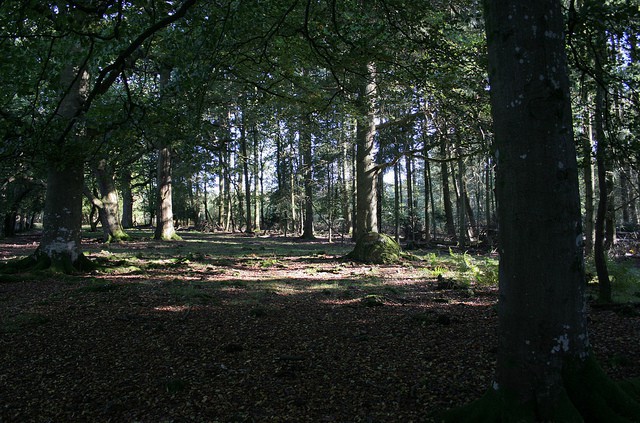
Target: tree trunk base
column 375, row 248
column 39, row 261
column 119, row 236
column 173, row 237
column 589, row 396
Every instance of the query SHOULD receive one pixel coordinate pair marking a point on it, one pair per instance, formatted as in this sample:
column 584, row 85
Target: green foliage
column 624, row 276
column 464, row 267
column 376, row 248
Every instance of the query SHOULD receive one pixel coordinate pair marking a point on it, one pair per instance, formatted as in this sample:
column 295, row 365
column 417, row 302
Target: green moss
column 376, row 248
column 62, row 264
column 589, row 396
column 118, row 236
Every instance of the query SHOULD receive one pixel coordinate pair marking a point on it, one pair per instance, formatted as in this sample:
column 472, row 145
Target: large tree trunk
column 366, row 206
column 545, row 371
column 164, row 211
column 62, row 220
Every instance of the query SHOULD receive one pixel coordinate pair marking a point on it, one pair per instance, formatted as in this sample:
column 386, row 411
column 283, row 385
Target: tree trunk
column 432, row 200
column 108, row 204
column 164, row 211
column 625, row 196
column 427, row 194
column 450, row 228
column 257, row 186
column 610, row 219
column 247, row 180
column 62, row 220
column 587, row 171
column 59, row 248
column 599, row 247
column 460, row 203
column 396, row 201
column 545, row 371
column 410, row 223
column 366, row 206
column 127, row 199
column 379, row 197
column 307, row 174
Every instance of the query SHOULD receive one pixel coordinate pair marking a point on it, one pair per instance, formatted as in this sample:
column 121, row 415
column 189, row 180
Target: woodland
column 319, row 210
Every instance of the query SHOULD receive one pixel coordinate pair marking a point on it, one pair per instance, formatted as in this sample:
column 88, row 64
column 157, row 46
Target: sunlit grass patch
column 463, row 267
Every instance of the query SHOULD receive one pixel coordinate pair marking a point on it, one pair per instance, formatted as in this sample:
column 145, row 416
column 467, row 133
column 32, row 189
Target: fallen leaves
column 340, row 343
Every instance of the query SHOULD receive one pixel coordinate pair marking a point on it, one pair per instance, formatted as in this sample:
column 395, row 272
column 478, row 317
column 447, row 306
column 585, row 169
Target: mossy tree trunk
column 545, row 370
column 108, row 203
column 366, row 201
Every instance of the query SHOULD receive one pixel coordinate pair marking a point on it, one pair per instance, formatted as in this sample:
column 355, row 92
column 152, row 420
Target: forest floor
column 228, row 328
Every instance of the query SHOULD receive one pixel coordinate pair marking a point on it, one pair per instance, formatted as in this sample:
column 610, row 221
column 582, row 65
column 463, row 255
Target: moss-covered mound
column 375, row 248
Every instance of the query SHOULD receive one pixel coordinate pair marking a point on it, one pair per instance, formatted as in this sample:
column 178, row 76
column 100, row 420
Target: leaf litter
column 235, row 330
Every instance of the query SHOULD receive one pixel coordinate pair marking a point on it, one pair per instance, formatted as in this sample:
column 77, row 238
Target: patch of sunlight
column 172, row 308
column 324, row 286
column 341, row 302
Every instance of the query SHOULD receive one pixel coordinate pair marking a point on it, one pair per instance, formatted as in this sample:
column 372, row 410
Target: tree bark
column 600, row 247
column 127, row 199
column 59, row 248
column 427, row 194
column 62, row 220
column 366, row 206
column 307, row 174
column 587, row 170
column 257, row 186
column 244, row 153
column 544, row 371
column 108, row 204
column 450, row 228
column 542, row 320
column 410, row 226
column 396, row 201
column 164, row 211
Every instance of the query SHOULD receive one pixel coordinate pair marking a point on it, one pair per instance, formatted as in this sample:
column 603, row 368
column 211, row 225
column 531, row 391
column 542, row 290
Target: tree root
column 120, row 236
column 375, row 248
column 39, row 261
column 589, row 396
